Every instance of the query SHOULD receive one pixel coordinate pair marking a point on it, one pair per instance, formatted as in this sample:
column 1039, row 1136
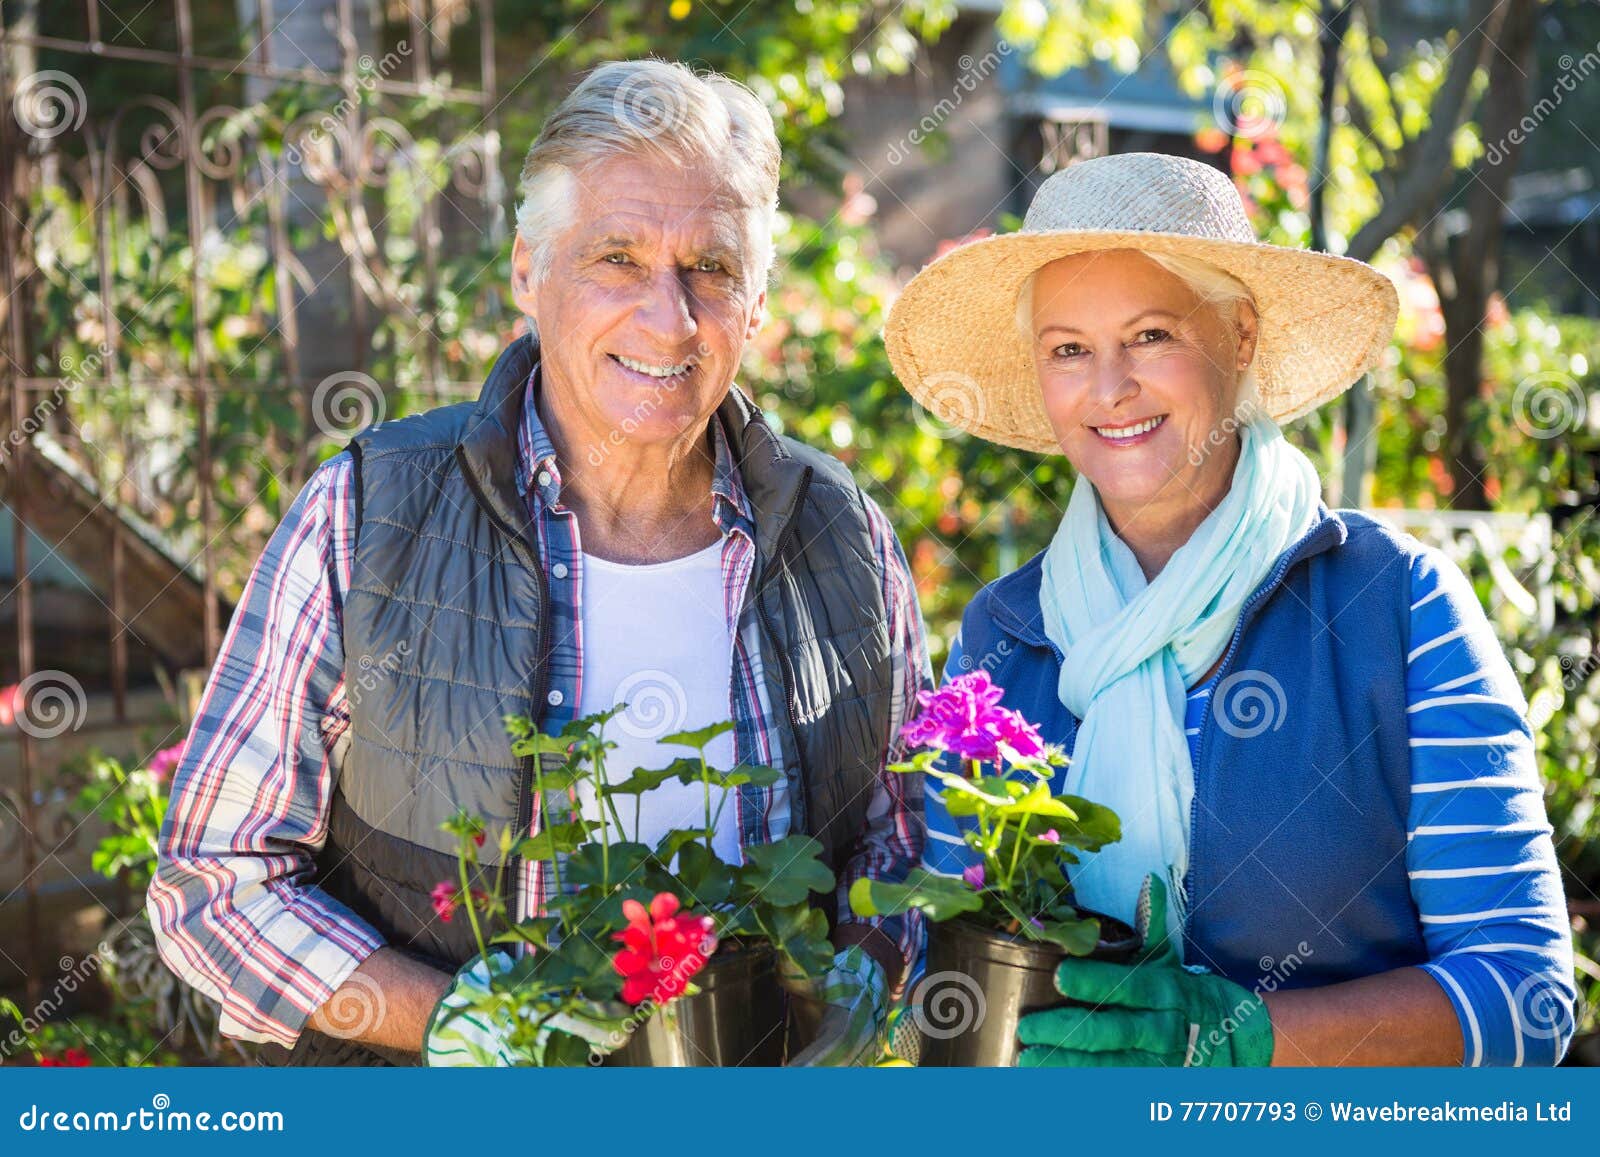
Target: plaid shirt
column 250, row 796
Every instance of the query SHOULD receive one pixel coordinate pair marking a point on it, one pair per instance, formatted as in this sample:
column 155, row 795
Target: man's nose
column 667, row 311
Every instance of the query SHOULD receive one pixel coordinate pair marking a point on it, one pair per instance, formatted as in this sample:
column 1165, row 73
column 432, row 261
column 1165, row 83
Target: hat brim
column 953, row 339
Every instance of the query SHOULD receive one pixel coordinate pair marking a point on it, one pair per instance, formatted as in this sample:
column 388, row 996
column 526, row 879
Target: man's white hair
column 658, row 110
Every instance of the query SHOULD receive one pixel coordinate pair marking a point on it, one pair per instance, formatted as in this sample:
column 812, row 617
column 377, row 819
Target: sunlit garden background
column 237, row 231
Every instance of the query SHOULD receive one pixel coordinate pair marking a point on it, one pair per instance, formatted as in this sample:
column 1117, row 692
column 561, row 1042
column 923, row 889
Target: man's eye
column 707, row 265
column 1151, row 336
column 617, row 259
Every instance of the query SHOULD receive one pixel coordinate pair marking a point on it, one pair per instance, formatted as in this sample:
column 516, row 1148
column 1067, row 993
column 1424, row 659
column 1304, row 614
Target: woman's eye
column 1070, row 349
column 1151, row 336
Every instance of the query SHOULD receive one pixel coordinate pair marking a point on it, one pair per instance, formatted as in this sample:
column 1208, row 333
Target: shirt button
column 555, row 698
column 544, row 478
column 559, row 570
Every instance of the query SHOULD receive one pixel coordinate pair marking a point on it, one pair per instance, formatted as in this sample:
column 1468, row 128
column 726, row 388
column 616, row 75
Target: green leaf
column 800, row 932
column 939, row 897
column 676, row 839
column 1078, row 937
column 705, row 878
column 541, row 744
column 784, row 872
column 535, row 931
column 643, row 779
column 585, row 865
column 757, row 774
column 565, row 1050
column 699, row 737
column 555, row 840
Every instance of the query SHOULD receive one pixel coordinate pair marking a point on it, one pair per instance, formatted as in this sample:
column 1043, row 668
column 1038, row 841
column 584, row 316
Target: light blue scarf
column 1133, row 648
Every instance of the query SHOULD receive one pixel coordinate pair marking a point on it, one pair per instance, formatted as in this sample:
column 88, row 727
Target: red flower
column 71, row 1059
column 662, row 949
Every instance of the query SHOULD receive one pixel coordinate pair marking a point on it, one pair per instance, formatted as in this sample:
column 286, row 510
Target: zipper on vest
column 1246, row 613
column 785, row 674
column 541, row 678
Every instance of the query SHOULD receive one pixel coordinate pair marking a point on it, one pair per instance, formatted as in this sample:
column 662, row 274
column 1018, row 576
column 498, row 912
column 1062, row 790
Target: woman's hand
column 1151, row 1012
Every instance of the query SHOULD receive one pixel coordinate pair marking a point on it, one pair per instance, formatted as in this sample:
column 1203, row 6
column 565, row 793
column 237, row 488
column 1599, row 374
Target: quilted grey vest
column 443, row 637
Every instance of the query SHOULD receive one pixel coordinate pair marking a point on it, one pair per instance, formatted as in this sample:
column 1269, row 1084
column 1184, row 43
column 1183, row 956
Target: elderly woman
column 1317, row 749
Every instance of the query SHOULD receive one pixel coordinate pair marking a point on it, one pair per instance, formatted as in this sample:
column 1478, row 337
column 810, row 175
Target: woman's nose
column 1113, row 379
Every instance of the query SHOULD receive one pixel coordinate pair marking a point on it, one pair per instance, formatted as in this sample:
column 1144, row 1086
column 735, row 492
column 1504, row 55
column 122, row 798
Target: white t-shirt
column 656, row 636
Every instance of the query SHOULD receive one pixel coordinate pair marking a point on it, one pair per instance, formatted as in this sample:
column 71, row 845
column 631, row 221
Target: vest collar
column 1014, row 599
column 491, row 436
column 775, row 481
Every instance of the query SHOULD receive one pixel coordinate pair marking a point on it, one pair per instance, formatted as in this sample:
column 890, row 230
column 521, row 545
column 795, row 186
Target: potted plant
column 997, row 933
column 657, row 955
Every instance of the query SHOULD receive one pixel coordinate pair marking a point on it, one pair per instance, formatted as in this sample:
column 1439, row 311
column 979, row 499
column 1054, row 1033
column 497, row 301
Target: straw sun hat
column 953, row 338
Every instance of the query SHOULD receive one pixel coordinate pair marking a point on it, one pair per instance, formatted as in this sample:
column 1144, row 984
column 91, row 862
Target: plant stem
column 544, row 821
column 705, row 782
column 466, row 898
column 1016, row 849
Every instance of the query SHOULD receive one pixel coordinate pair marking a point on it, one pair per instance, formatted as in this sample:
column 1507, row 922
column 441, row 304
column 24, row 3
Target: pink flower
column 447, row 898
column 444, row 899
column 1051, row 837
column 974, row 877
column 164, row 762
column 964, row 717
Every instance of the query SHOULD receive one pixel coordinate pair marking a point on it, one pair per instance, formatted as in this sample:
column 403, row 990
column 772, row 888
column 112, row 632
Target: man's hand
column 460, row 1034
column 1151, row 1012
column 854, row 993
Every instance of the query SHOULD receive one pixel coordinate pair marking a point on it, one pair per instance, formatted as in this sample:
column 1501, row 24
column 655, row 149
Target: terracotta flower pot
column 735, row 1021
column 980, row 982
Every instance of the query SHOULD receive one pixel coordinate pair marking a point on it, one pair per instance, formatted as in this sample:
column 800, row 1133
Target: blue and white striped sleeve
column 1479, row 853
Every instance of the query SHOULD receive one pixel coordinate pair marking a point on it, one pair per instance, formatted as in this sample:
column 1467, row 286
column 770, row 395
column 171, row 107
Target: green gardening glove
column 460, row 1034
column 854, row 1006
column 1154, row 1011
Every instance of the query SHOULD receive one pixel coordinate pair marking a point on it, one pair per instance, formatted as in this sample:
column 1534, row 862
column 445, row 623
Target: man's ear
column 758, row 317
column 522, row 277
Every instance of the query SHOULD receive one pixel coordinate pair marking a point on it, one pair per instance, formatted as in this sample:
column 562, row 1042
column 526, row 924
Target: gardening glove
column 459, row 1037
column 1154, row 1011
column 855, row 998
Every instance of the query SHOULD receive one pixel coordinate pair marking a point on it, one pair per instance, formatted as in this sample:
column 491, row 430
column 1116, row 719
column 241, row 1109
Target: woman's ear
column 1247, row 325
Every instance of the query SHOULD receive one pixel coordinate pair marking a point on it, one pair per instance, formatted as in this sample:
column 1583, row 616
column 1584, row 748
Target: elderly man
column 433, row 578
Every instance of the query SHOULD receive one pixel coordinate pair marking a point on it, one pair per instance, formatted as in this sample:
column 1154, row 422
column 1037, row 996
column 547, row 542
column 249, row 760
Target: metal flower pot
column 980, row 982
column 735, row 1021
